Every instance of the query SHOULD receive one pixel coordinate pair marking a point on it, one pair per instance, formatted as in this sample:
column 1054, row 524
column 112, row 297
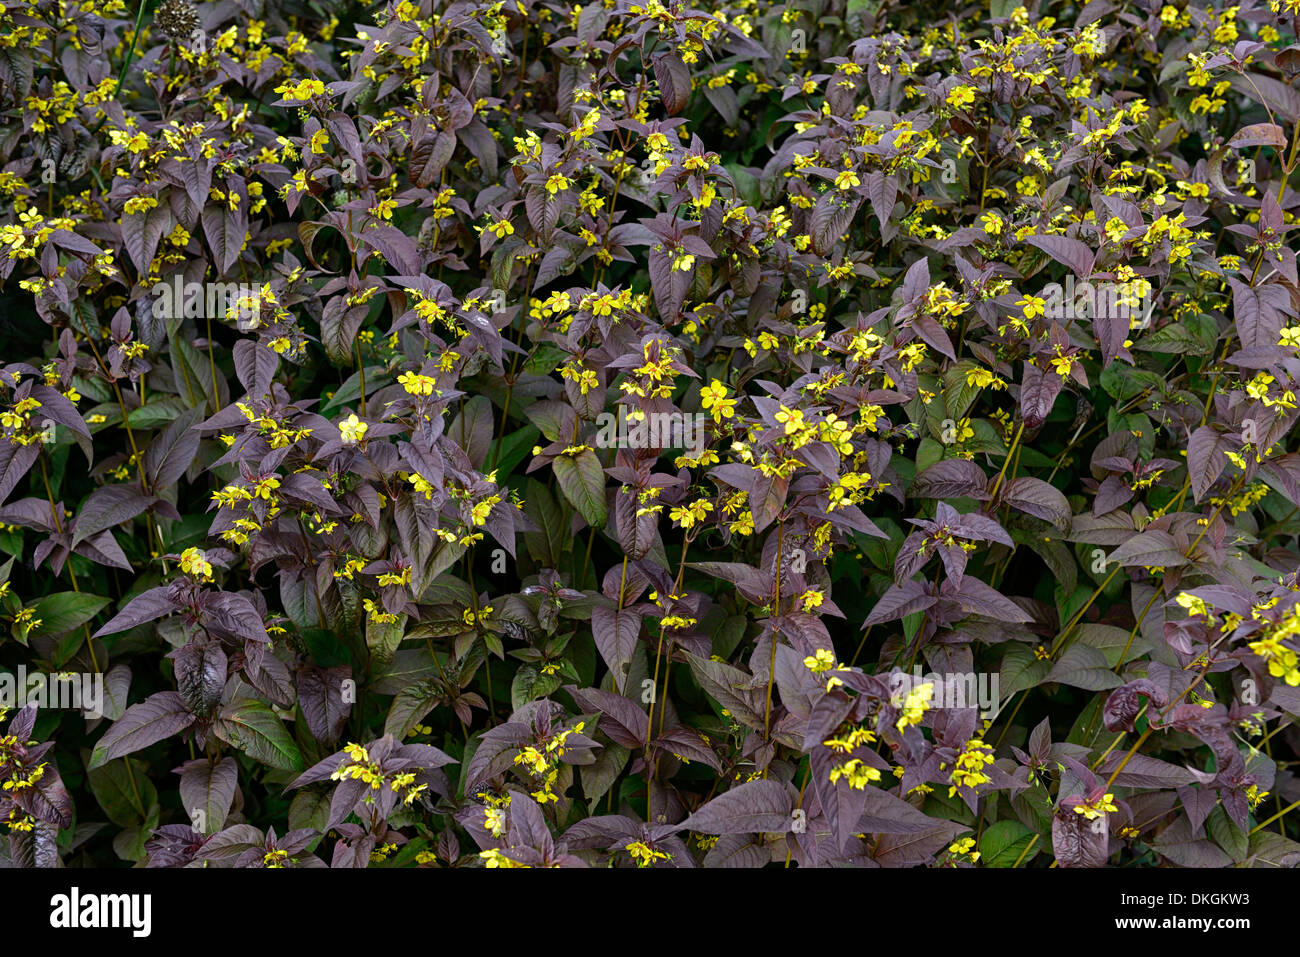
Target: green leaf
column 609, row 764
column 545, row 359
column 125, row 794
column 1111, row 641
column 1176, row 338
column 529, row 685
column 252, row 727
column 928, row 453
column 1020, row 670
column 1032, row 806
column 988, row 438
column 1227, row 835
column 156, row 413
column 64, row 611
column 193, row 371
column 310, row 808
column 1087, row 728
column 958, row 395
column 746, row 182
column 1068, row 604
column 1268, row 849
column 1124, row 382
column 409, row 707
column 1082, row 666
column 350, row 391
column 582, row 481
column 547, row 544
column 382, row 638
column 509, row 450
column 129, row 844
column 1004, row 842
column 880, row 551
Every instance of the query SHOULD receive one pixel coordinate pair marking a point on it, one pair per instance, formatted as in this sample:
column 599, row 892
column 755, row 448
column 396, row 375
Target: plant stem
column 1286, row 810
column 993, row 493
column 776, row 613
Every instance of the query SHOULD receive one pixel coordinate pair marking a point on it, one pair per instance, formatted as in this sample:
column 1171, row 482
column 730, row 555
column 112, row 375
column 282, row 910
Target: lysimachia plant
column 645, row 434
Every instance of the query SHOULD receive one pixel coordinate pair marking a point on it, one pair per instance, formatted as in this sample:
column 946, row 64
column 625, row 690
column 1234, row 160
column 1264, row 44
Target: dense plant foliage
column 523, row 434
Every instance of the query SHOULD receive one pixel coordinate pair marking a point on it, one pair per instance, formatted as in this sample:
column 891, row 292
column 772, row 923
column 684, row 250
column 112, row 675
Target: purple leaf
column 146, row 723
column 674, row 81
column 172, row 452
column 210, row 789
column 616, row 636
column 1037, row 498
column 1078, row 842
column 108, row 507
column 755, row 807
column 147, row 606
column 1070, row 253
column 320, row 695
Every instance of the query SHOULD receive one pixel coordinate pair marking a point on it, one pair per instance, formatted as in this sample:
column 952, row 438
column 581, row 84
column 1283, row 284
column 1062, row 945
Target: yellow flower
column 714, row 398
column 1115, row 229
column 1257, row 388
column 194, row 562
column 960, row 97
column 377, row 616
column 644, row 854
column 1195, row 606
column 493, row 857
column 854, row 739
column 417, row 384
column 792, row 419
column 1031, row 306
column 1103, row 805
column 823, row 660
column 138, row 204
column 1282, row 661
column 687, row 516
column 352, row 430
column 858, row 774
column 1062, row 365
column 302, row 90
column 969, row 772
column 401, row 578
column 915, row 704
column 847, row 179
column 422, row 485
